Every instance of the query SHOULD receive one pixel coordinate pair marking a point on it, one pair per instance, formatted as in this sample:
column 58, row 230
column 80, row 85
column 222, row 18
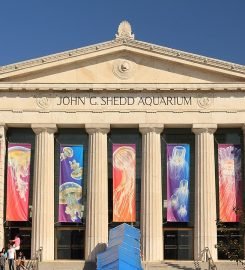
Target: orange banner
column 230, row 182
column 124, row 174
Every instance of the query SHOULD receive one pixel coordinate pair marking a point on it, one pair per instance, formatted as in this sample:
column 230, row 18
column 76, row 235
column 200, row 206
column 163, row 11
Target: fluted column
column 205, row 231
column 151, row 193
column 97, row 191
column 43, row 191
column 2, row 176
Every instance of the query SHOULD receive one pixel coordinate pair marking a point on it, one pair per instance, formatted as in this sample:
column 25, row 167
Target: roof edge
column 178, row 54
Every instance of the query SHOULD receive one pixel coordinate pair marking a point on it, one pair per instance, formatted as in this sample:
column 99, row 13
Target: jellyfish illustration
column 70, row 193
column 177, row 165
column 76, row 170
column 67, row 153
column 182, row 212
column 174, row 201
column 230, row 181
column 124, row 193
column 19, row 166
column 183, row 192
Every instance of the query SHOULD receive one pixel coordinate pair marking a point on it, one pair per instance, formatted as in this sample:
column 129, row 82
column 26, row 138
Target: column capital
column 146, row 128
column 3, row 129
column 243, row 128
column 204, row 128
column 38, row 128
column 101, row 128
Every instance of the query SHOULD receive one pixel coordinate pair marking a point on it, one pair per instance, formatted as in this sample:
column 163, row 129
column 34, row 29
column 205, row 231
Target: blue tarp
column 123, row 252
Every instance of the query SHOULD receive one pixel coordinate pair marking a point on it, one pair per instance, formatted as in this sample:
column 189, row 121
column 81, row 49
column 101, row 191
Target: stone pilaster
column 151, row 193
column 205, row 231
column 97, row 191
column 243, row 128
column 2, row 177
column 43, row 191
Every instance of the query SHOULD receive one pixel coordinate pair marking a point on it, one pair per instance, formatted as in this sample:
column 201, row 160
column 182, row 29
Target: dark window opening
column 178, row 245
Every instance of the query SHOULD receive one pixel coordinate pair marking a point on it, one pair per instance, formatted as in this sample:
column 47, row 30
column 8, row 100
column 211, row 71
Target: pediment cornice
column 124, row 44
column 123, row 87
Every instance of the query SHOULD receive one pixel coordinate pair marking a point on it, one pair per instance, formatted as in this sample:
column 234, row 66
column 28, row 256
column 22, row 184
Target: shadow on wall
column 91, row 263
column 89, row 266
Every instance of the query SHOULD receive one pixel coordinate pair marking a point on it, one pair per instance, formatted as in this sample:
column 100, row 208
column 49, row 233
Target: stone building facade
column 123, row 86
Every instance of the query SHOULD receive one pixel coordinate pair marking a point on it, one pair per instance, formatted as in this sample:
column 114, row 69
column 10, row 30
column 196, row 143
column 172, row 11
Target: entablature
column 122, row 87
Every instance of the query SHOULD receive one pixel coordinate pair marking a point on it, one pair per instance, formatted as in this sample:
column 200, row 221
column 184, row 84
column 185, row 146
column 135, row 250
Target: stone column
column 43, row 191
column 205, row 231
column 151, row 193
column 97, row 191
column 243, row 128
column 2, row 177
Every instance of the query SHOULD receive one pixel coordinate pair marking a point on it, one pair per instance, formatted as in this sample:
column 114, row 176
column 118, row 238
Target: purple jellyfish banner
column 178, row 180
column 230, row 182
column 71, row 183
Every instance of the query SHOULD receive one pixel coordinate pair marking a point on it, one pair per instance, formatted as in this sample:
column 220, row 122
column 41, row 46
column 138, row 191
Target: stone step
column 173, row 265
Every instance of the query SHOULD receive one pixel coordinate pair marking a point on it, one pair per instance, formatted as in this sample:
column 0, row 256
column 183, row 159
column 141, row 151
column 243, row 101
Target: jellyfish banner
column 124, row 174
column 230, row 181
column 71, row 183
column 178, row 180
column 18, row 180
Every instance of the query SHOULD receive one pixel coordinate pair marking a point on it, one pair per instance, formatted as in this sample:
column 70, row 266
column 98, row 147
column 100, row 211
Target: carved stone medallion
column 124, row 68
column 205, row 101
column 42, row 102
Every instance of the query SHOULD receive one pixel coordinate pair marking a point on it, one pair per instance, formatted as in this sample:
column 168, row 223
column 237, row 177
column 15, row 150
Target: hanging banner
column 71, row 183
column 178, row 180
column 18, row 180
column 124, row 180
column 230, row 181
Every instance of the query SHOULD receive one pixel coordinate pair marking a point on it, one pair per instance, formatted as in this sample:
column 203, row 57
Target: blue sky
column 33, row 28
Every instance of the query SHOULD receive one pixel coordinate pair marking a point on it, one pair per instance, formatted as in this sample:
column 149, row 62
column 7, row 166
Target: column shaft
column 151, row 194
column 97, row 192
column 2, row 177
column 43, row 192
column 205, row 192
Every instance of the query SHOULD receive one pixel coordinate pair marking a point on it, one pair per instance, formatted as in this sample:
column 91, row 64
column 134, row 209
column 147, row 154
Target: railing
column 211, row 264
column 33, row 264
column 206, row 257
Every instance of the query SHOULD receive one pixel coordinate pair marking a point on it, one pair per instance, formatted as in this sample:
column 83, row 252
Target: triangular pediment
column 123, row 61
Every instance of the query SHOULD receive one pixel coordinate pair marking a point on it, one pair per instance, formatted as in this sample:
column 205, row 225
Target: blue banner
column 178, row 180
column 71, row 183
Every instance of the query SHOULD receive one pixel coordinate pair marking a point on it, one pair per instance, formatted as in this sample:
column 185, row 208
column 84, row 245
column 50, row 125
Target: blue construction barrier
column 123, row 251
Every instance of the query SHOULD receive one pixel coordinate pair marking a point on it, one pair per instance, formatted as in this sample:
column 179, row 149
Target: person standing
column 20, row 262
column 16, row 242
column 4, row 253
column 11, row 255
column 2, row 261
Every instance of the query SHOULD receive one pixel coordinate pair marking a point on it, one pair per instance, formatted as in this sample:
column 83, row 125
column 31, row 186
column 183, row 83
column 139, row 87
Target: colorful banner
column 18, row 180
column 124, row 179
column 71, row 183
column 230, row 181
column 178, row 180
